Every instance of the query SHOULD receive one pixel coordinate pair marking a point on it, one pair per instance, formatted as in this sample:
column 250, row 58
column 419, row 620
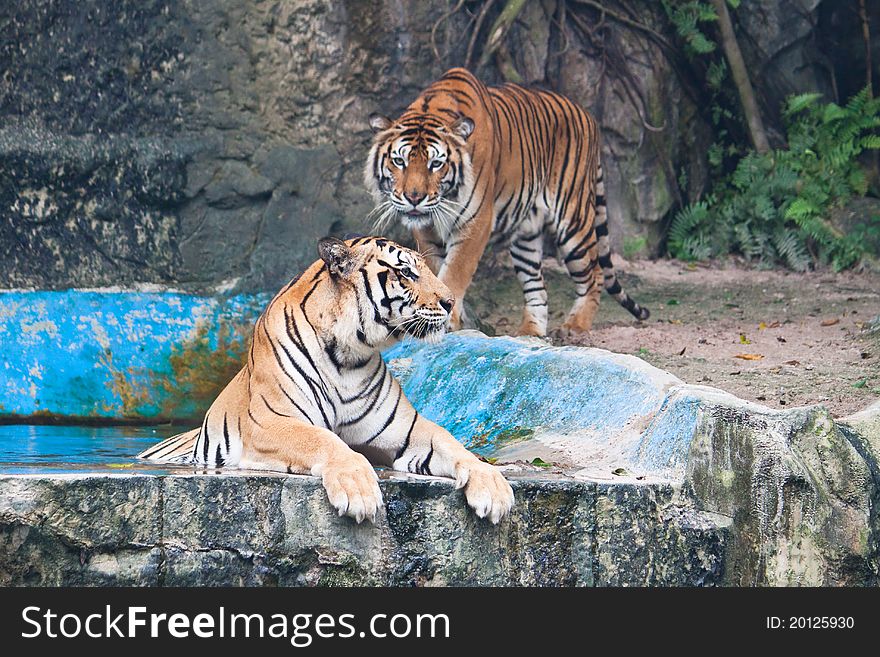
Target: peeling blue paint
column 64, row 352
column 667, row 439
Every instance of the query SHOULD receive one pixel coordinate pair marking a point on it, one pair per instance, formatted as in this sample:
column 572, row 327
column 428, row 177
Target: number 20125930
column 810, row 623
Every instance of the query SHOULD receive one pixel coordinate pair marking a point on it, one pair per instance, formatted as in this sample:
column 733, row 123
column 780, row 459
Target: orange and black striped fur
column 315, row 396
column 466, row 163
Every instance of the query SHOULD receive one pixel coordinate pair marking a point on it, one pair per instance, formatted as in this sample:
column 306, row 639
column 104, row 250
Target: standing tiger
column 465, row 163
column 315, row 396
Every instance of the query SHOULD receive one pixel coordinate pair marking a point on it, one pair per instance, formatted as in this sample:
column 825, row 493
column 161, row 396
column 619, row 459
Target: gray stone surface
column 242, row 529
column 762, row 502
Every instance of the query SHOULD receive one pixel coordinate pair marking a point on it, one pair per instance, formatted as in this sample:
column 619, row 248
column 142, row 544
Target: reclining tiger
column 465, row 163
column 315, row 396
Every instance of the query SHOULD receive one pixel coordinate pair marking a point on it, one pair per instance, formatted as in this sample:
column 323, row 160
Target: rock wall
column 206, row 144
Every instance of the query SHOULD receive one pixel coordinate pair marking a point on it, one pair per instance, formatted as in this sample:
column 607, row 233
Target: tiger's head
column 394, row 290
column 416, row 168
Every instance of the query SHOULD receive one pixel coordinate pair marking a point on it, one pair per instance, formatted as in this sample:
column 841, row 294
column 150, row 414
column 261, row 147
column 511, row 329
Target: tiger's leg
column 430, row 449
column 527, row 251
column 278, row 443
column 414, row 444
column 579, row 251
column 463, row 253
column 430, row 245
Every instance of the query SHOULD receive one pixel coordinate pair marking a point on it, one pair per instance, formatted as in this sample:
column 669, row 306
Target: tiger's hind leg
column 527, row 251
column 579, row 252
column 176, row 449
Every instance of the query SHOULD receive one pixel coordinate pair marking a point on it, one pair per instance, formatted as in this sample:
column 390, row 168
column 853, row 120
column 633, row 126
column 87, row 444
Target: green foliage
column 690, row 19
column 686, row 16
column 774, row 207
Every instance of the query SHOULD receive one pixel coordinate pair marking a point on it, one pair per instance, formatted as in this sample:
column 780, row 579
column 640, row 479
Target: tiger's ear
column 463, row 127
column 379, row 123
column 339, row 258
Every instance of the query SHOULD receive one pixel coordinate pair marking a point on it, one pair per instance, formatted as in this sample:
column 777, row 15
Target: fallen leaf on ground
column 749, row 356
column 792, row 362
column 830, row 322
column 743, row 339
column 620, row 472
column 681, row 353
column 860, row 384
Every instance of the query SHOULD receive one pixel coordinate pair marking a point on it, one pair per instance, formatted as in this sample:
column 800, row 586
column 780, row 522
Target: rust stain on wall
column 203, row 365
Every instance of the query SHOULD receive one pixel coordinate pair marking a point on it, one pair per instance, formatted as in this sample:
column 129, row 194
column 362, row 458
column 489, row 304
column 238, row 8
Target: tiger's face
column 416, row 168
column 394, row 287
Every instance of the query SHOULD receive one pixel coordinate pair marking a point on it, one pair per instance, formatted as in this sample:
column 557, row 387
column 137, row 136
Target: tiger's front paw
column 352, row 487
column 486, row 490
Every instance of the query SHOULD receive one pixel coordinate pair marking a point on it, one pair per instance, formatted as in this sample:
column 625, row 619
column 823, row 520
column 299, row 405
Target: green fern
column 685, row 227
column 791, row 248
column 774, row 207
column 799, row 103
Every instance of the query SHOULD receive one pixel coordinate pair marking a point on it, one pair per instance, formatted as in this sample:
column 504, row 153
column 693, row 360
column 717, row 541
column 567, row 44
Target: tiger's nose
column 447, row 304
column 414, row 197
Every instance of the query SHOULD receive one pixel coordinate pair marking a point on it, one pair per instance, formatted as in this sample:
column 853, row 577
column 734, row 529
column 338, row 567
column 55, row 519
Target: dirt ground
column 779, row 338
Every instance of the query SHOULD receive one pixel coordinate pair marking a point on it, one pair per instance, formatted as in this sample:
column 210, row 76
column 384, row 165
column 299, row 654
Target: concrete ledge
column 243, row 529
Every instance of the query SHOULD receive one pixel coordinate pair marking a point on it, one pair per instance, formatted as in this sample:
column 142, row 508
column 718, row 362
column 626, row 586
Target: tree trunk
column 866, row 35
column 741, row 77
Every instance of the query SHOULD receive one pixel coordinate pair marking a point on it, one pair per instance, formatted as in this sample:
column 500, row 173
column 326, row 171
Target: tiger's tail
column 176, row 449
column 612, row 286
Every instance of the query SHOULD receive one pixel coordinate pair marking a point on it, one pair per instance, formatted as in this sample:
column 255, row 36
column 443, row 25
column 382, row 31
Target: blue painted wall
column 116, row 354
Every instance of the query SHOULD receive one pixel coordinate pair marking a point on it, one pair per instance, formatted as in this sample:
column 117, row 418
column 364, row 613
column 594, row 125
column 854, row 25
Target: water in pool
column 34, row 449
